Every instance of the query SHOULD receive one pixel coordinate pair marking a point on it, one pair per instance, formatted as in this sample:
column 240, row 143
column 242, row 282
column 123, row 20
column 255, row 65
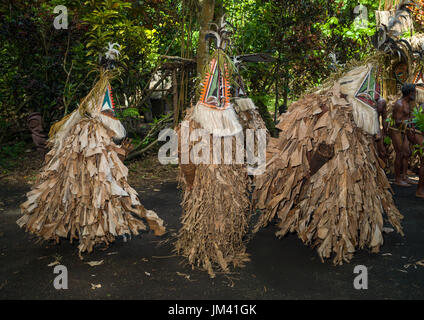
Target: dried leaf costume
column 82, row 191
column 215, row 201
column 323, row 179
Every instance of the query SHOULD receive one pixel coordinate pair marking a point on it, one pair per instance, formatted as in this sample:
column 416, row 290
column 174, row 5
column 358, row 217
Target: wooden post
column 276, row 97
column 181, row 95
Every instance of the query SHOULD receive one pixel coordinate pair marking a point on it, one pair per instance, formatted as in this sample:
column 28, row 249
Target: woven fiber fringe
column 324, row 181
column 218, row 122
column 365, row 117
column 82, row 192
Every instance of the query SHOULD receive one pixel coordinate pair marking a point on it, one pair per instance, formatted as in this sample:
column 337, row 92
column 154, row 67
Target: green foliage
column 108, row 22
column 129, row 112
column 418, row 150
column 300, row 35
column 10, row 153
column 418, row 118
column 354, row 28
column 262, row 102
column 34, row 56
column 47, row 70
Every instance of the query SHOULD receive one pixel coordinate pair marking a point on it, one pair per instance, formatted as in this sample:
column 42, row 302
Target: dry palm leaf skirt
column 215, row 218
column 324, row 180
column 216, row 207
column 82, row 192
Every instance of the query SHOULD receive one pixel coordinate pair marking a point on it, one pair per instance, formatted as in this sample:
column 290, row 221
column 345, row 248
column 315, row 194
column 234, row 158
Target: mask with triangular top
column 216, row 88
column 369, row 90
column 108, row 105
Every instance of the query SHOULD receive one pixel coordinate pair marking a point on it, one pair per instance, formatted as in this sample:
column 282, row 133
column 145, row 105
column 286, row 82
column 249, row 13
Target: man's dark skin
column 379, row 138
column 402, row 115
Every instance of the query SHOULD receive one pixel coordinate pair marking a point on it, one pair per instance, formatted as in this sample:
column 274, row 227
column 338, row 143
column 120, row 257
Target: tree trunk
column 175, row 96
column 206, row 16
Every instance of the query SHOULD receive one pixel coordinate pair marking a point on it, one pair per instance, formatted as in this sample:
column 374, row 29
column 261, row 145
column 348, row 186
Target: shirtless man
column 402, row 115
column 379, row 137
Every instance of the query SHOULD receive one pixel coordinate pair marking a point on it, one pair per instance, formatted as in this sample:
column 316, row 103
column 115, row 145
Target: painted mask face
column 108, row 105
column 369, row 91
column 216, row 89
column 106, row 114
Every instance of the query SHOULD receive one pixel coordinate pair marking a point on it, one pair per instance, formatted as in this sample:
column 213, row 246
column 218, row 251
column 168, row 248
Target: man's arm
column 382, row 111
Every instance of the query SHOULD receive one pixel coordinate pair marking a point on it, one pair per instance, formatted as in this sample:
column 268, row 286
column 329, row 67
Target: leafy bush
column 9, row 154
column 418, row 118
column 129, row 112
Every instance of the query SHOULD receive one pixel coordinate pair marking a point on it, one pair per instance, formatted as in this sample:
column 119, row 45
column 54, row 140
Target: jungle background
column 49, row 71
column 46, row 70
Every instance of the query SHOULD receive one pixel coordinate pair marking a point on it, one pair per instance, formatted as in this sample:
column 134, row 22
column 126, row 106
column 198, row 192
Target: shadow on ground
column 146, row 268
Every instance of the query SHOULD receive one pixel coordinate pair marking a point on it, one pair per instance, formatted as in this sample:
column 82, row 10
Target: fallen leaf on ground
column 420, row 263
column 3, row 284
column 388, row 230
column 95, row 263
column 43, row 257
column 415, row 264
column 95, row 286
column 187, row 276
column 53, row 263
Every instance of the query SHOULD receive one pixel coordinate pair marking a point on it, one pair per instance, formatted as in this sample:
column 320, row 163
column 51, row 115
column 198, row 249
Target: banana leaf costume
column 82, row 192
column 215, row 203
column 324, row 180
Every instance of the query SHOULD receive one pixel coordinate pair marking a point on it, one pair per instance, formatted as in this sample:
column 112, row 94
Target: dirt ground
column 146, row 267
